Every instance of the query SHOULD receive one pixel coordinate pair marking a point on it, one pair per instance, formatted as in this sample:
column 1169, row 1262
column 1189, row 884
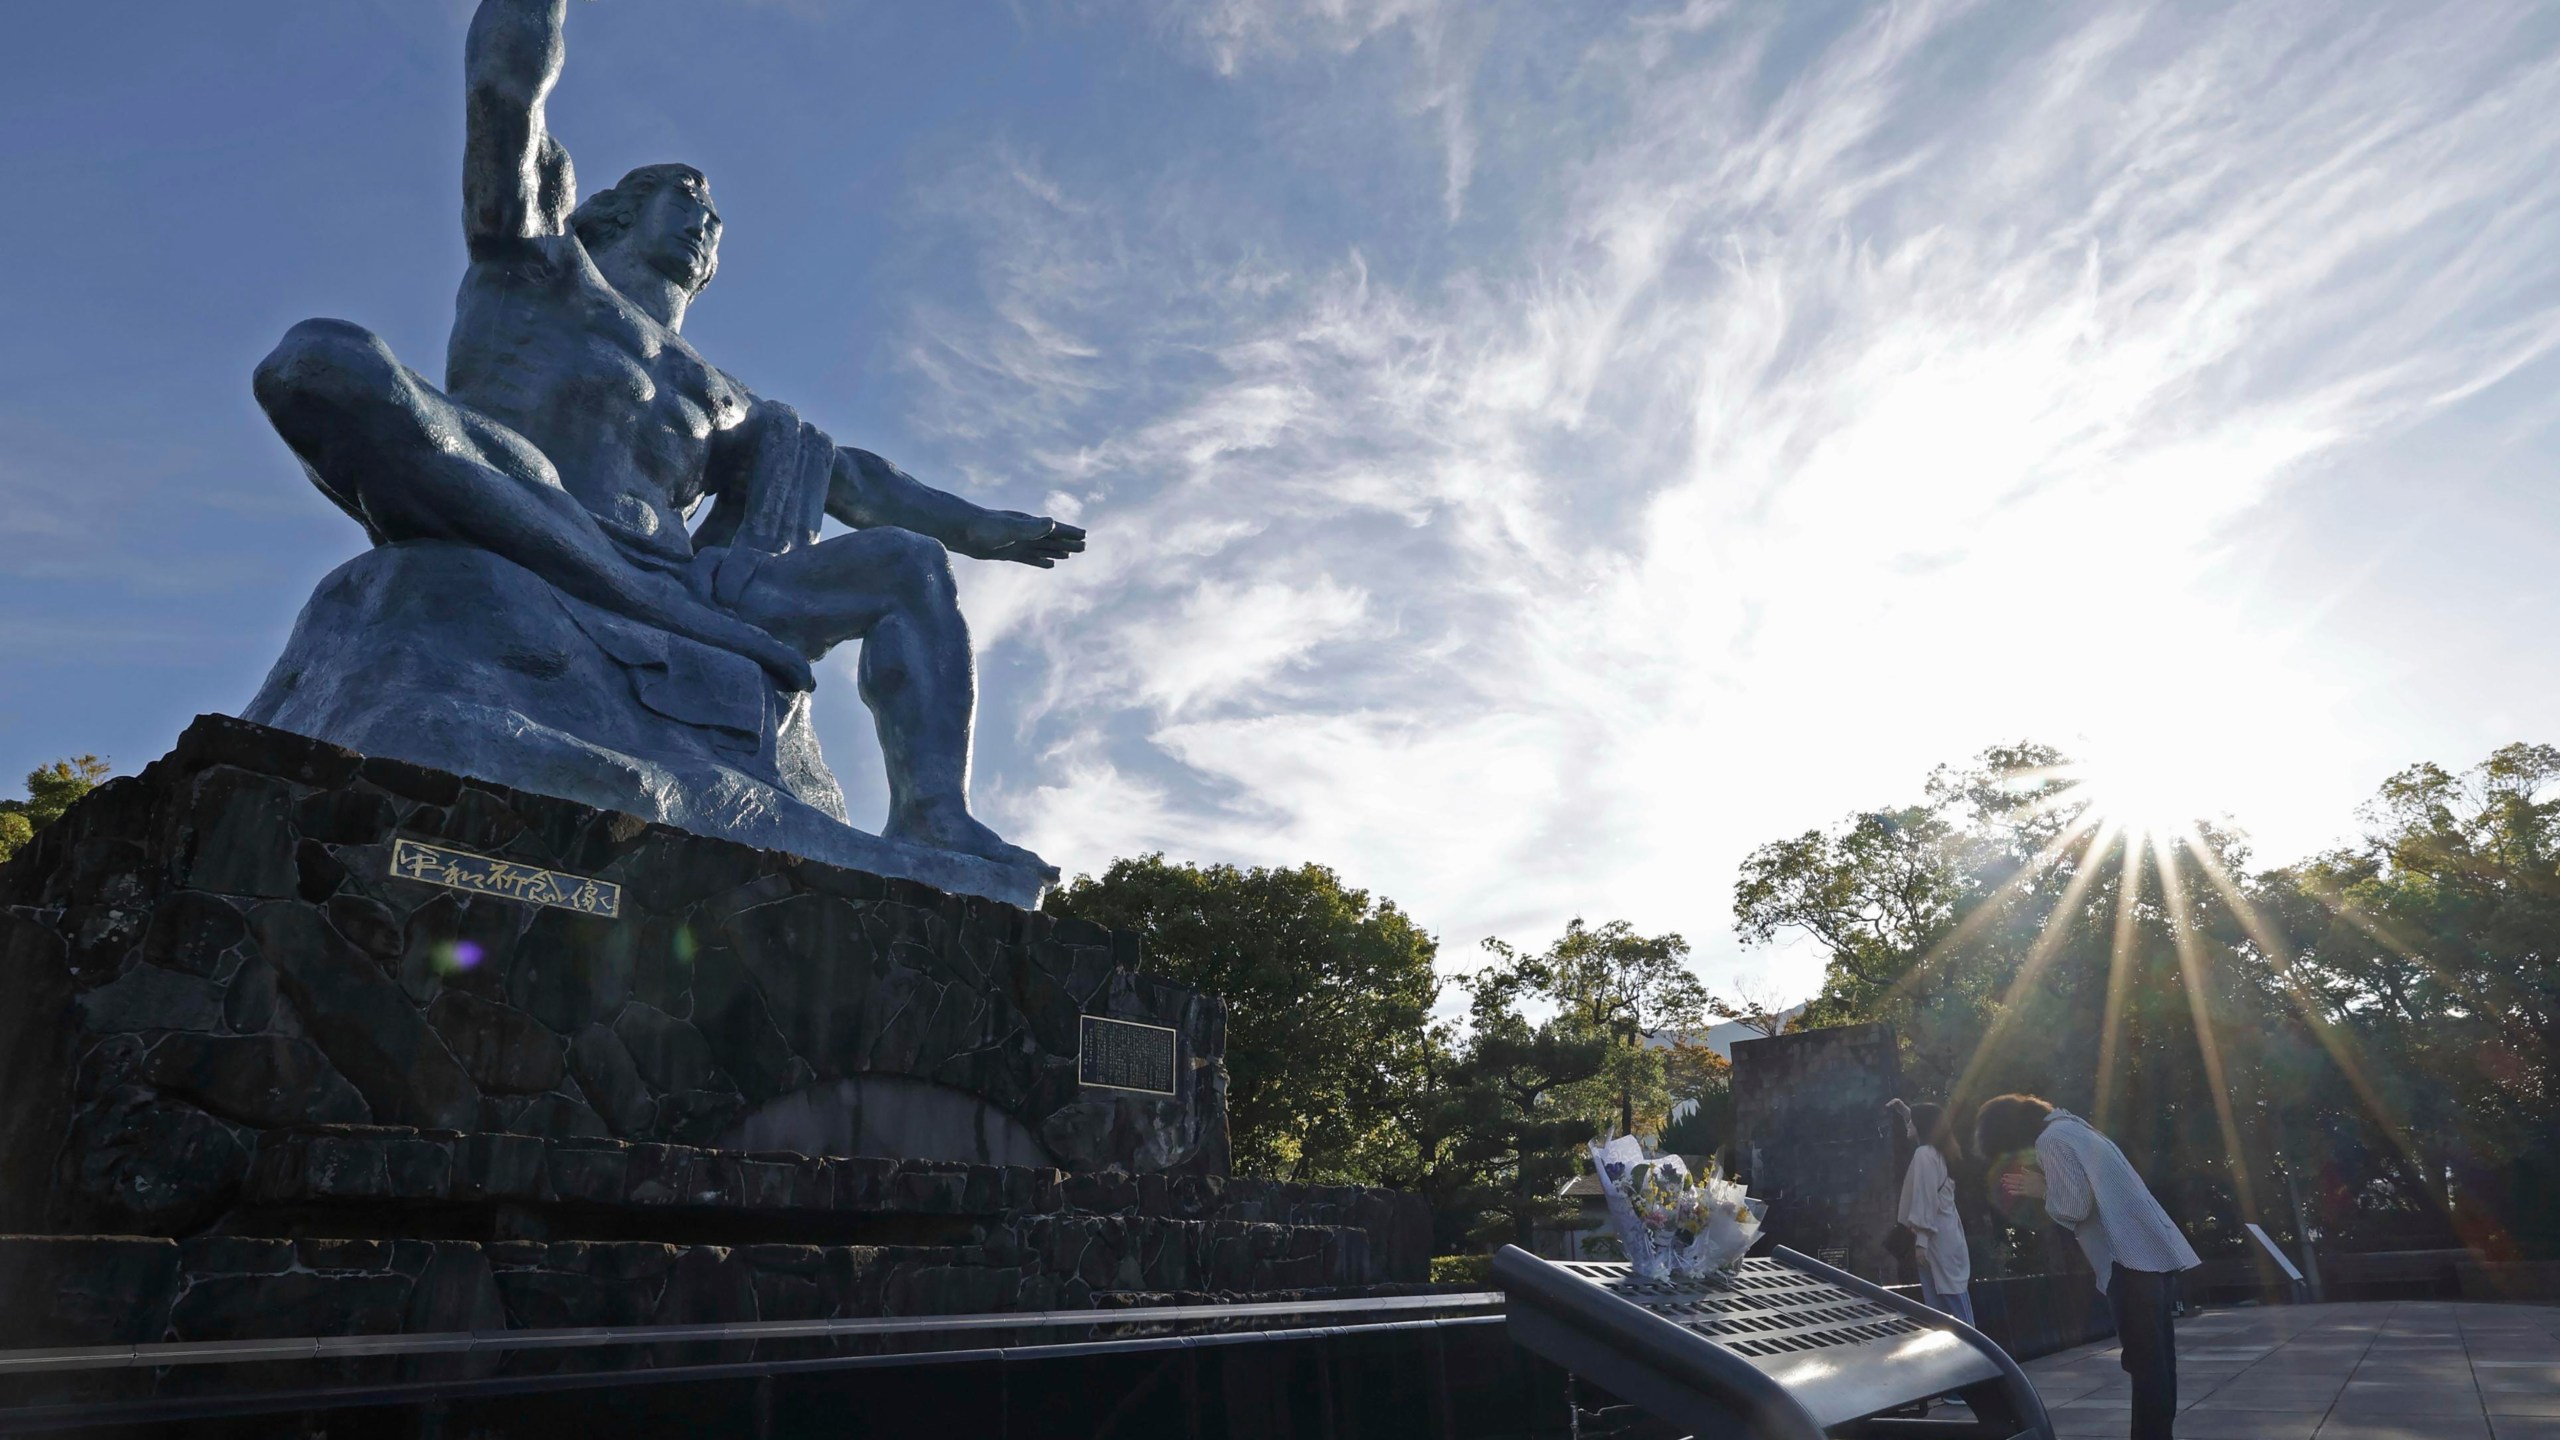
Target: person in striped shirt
column 2135, row 1250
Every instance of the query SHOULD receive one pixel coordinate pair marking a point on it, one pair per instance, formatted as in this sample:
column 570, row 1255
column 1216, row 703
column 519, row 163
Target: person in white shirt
column 2135, row 1250
column 1928, row 1210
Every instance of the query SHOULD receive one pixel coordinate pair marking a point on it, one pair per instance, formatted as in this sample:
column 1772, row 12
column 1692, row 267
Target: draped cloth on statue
column 780, row 503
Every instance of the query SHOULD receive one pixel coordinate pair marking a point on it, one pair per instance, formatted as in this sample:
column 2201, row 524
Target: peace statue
column 539, row 610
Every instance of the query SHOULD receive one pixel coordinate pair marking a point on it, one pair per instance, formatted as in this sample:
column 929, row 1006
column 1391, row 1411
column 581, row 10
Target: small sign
column 2286, row 1265
column 1125, row 1055
column 485, row 875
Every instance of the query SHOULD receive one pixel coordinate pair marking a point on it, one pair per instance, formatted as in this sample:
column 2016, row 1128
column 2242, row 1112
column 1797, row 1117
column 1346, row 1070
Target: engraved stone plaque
column 1125, row 1055
column 486, row 875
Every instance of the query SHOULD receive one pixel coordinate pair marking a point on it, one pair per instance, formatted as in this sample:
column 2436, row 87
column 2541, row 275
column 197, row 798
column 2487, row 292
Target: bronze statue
column 575, row 436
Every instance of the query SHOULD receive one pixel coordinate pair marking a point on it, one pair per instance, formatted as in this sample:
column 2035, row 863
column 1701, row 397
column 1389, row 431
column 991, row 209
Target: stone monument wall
column 301, row 1042
column 262, row 932
column 944, row 1238
column 1810, row 1126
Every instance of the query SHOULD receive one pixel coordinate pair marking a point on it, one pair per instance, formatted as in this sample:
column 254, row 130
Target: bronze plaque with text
column 1125, row 1055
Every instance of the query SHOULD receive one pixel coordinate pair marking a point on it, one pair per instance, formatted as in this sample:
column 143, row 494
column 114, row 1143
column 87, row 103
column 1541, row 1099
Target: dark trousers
column 2141, row 1300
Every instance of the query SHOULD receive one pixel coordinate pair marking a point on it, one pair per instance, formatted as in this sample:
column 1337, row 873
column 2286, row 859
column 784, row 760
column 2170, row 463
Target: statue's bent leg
column 893, row 590
column 410, row 464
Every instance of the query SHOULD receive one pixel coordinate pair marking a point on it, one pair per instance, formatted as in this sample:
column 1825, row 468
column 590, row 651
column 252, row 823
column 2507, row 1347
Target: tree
column 1701, row 1085
column 1428, row 1143
column 2426, row 960
column 1611, row 983
column 1328, row 994
column 1873, row 894
column 1338, row 1073
column 50, row 790
column 1517, row 1135
column 1756, row 1009
column 1927, row 912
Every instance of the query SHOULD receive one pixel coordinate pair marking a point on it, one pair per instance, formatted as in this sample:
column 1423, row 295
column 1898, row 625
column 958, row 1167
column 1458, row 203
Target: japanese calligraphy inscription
column 486, row 875
column 1125, row 1055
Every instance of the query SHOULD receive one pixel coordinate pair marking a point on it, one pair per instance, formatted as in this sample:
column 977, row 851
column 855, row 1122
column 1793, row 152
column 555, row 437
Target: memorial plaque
column 487, row 875
column 1125, row 1055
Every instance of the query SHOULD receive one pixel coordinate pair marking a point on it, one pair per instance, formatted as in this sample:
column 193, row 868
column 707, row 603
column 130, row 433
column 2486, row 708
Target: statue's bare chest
column 624, row 350
column 622, row 405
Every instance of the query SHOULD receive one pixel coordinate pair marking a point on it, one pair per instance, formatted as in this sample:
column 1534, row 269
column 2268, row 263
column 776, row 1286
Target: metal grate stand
column 1786, row 1347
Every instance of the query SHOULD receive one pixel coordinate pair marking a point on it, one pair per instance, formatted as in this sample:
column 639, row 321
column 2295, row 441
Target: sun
column 2149, row 786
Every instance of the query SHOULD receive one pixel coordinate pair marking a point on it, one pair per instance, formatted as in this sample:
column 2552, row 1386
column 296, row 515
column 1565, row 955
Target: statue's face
column 677, row 233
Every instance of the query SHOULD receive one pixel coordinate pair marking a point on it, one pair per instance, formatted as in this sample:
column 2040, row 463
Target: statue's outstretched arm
column 516, row 180
column 867, row 491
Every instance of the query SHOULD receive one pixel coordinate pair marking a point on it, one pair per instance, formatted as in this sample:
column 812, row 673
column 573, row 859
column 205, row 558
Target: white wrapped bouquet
column 1671, row 1224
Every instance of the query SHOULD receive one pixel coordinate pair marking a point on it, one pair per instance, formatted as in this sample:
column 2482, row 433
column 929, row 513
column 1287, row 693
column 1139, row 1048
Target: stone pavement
column 2387, row 1370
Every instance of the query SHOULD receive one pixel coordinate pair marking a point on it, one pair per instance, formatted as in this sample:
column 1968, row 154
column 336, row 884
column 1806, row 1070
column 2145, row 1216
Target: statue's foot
column 946, row 824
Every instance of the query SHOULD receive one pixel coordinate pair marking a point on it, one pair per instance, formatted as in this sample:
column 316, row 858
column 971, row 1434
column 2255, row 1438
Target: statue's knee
column 323, row 361
column 921, row 565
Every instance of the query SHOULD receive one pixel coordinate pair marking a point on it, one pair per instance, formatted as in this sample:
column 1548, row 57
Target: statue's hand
column 676, row 609
column 1026, row 539
column 789, row 670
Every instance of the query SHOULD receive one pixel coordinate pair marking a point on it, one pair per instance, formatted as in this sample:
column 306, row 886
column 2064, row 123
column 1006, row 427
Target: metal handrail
column 164, row 1410
column 315, row 1347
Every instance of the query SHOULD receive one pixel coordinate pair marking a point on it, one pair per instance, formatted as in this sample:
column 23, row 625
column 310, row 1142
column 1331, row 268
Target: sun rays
column 2143, row 821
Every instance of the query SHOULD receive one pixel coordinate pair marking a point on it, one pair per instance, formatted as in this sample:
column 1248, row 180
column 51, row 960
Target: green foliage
column 1610, row 984
column 1499, row 1114
column 2427, row 959
column 2318, row 1046
column 1517, row 1112
column 1336, row 1071
column 1474, row 1270
column 50, row 790
column 1328, row 999
column 1694, row 1073
column 1875, row 893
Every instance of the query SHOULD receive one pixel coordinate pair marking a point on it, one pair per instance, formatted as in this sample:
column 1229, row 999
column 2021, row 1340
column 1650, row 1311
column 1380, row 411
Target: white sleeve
column 1920, row 1183
column 2067, row 1194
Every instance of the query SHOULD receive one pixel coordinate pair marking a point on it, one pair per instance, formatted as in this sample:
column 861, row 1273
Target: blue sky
column 1533, row 453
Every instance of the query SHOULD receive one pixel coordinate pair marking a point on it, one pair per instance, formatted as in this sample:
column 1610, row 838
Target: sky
column 1533, row 453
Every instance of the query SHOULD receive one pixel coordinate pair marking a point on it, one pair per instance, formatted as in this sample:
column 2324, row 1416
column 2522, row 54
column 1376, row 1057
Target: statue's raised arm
column 516, row 180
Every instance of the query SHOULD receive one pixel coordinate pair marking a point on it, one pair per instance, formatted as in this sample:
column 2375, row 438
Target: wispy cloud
column 1442, row 46
column 1792, row 405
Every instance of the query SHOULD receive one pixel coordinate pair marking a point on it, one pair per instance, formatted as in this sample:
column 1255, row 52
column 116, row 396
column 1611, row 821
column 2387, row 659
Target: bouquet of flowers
column 1669, row 1223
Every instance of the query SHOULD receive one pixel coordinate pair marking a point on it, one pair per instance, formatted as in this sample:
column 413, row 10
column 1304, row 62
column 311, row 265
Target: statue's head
column 659, row 216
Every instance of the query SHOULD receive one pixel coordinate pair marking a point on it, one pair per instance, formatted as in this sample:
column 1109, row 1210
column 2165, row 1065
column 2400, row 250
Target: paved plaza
column 2405, row 1370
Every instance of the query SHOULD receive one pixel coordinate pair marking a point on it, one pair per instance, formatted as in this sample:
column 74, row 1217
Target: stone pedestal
column 303, row 1038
